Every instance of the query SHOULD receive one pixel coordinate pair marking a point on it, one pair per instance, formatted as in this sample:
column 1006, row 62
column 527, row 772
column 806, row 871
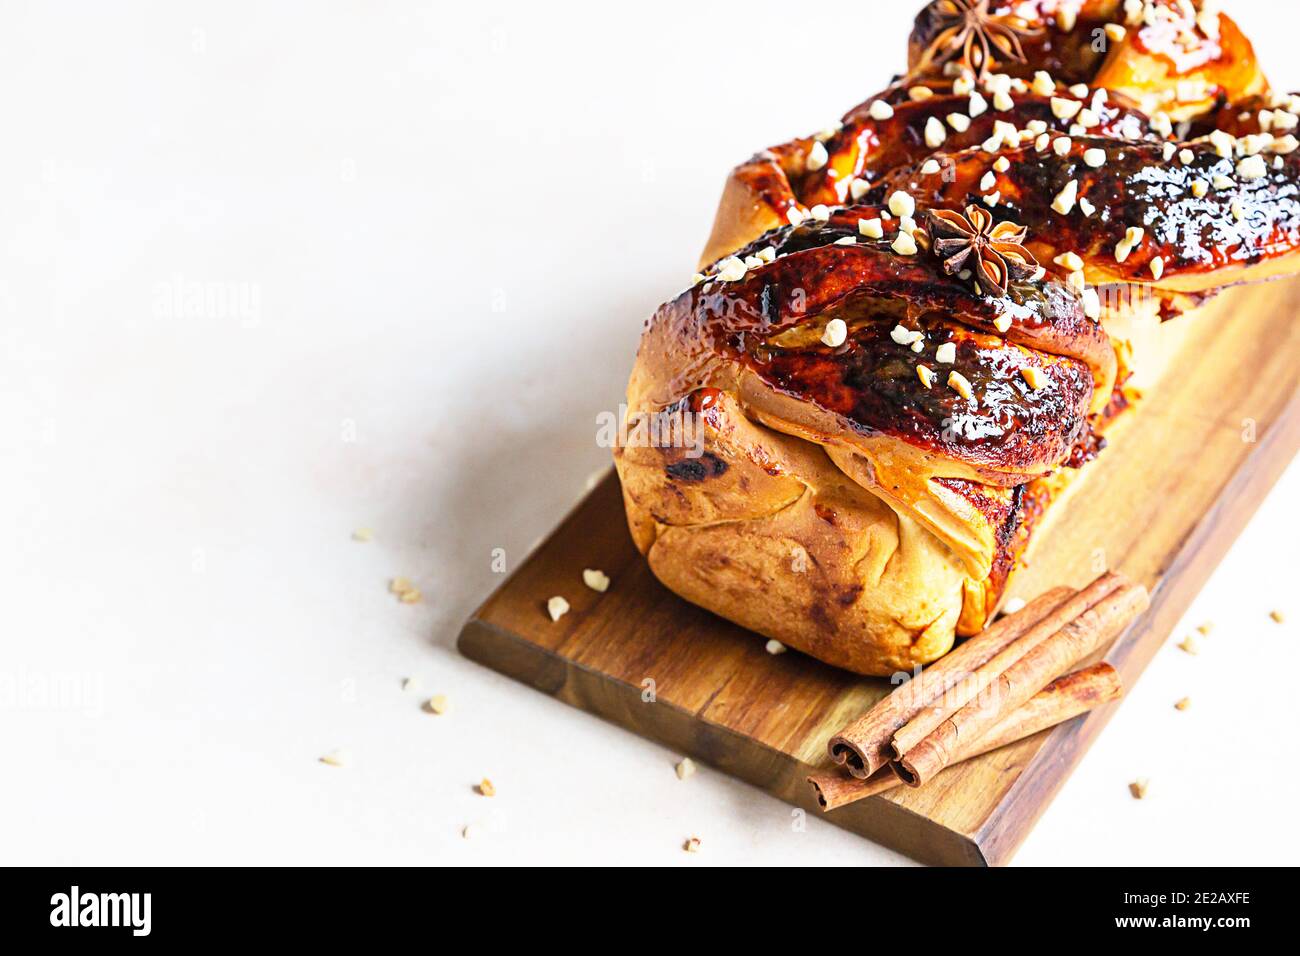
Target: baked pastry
column 904, row 339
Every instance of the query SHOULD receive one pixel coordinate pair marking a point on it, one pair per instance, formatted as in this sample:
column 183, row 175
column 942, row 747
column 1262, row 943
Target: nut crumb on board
column 595, row 579
column 410, row 683
column 1190, row 645
column 1139, row 788
column 557, row 607
column 685, row 768
column 1277, row 616
column 437, row 704
column 692, row 845
column 485, row 789
column 1205, row 629
column 1183, row 704
column 362, row 534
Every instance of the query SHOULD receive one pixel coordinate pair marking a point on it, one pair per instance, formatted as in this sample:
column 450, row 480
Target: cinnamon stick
column 1090, row 632
column 923, row 723
column 863, row 746
column 1056, row 703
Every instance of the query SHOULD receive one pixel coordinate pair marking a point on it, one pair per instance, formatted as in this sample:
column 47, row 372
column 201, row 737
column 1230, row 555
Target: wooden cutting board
column 1162, row 504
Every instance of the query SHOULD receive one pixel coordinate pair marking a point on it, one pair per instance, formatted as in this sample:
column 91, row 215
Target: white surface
column 447, row 234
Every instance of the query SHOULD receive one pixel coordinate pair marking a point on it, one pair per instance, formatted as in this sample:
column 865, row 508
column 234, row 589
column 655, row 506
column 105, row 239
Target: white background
column 444, row 225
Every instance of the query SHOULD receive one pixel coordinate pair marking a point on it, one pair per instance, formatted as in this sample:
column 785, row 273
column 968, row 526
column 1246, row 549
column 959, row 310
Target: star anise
column 995, row 252
column 966, row 32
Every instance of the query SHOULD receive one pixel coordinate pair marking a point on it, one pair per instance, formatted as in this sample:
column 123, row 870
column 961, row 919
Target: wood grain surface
column 1162, row 504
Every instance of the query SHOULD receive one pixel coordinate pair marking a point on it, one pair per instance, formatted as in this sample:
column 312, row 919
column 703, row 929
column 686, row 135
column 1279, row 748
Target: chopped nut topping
column 820, row 212
column 795, row 215
column 1115, row 32
column 919, row 94
column 930, row 167
column 902, row 204
column 989, row 181
column 1062, row 145
column 959, row 384
column 960, row 122
column 1002, row 322
column 880, row 110
column 1043, row 83
column 1064, row 109
column 406, row 592
column 836, row 333
column 846, row 241
column 485, row 788
column 1033, row 376
column 871, row 228
column 925, row 375
column 731, row 269
column 1086, row 207
column 935, row 134
column 1069, row 261
column 1252, row 167
column 1002, row 164
column 595, row 579
column 946, row 353
column 685, row 768
column 817, row 156
column 904, row 245
column 978, row 105
column 905, row 336
column 1091, row 304
column 557, row 607
column 438, row 704
column 1003, row 102
column 1199, row 188
column 1096, row 158
column 1157, row 267
column 1065, row 199
column 1221, row 181
column 1139, row 788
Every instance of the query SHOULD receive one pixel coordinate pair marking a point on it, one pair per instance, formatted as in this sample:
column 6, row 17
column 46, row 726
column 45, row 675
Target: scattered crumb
column 406, row 592
column 1205, row 629
column 686, row 768
column 438, row 704
column 411, row 683
column 362, row 534
column 336, row 758
column 692, row 845
column 1139, row 788
column 1277, row 616
column 1013, row 605
column 485, row 788
column 1190, row 645
column 469, row 831
column 557, row 607
column 1183, row 704
column 775, row 647
column 596, row 580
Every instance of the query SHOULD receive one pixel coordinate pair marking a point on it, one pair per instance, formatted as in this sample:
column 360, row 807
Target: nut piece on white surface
column 410, row 683
column 595, row 579
column 469, row 831
column 1183, row 704
column 775, row 647
column 337, row 758
column 1190, row 645
column 484, row 788
column 1205, row 629
column 557, row 607
column 1139, row 788
column 406, row 592
column 692, row 845
column 1277, row 616
column 685, row 769
column 363, row 534
column 438, row 704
